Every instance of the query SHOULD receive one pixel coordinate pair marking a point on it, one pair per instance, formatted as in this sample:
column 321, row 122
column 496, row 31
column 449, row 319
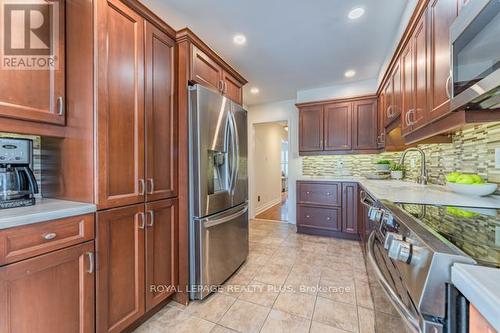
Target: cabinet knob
column 307, row 216
column 328, row 194
column 49, row 236
column 328, row 218
column 307, row 192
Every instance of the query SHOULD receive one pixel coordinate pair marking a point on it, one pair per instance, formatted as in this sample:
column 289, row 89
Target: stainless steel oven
column 475, row 57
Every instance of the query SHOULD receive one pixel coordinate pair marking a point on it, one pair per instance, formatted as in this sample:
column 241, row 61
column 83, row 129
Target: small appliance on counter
column 18, row 185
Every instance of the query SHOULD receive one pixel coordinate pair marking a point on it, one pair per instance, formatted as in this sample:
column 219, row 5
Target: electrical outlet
column 497, row 158
column 340, row 164
column 258, row 198
column 497, row 237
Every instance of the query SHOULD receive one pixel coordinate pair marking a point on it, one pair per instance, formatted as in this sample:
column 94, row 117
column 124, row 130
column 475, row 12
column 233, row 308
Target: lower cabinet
column 50, row 293
column 327, row 208
column 136, row 261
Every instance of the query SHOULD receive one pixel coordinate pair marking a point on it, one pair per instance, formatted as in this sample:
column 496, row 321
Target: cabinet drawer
column 319, row 217
column 319, row 193
column 31, row 240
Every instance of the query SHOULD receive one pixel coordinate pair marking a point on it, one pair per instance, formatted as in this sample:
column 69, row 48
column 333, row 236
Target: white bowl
column 382, row 167
column 473, row 189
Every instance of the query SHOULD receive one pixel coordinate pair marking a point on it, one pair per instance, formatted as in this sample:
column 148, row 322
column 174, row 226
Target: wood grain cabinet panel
column 37, row 95
column 120, row 277
column 477, row 323
column 204, row 70
column 321, row 218
column 51, row 293
column 408, row 91
column 338, row 126
column 311, row 128
column 420, row 73
column 233, row 89
column 161, row 251
column 31, row 240
column 364, row 125
column 120, row 115
column 350, row 208
column 161, row 142
column 328, row 194
column 441, row 15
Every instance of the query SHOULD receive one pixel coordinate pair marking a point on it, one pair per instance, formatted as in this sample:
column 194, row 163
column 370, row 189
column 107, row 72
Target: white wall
column 272, row 112
column 267, row 164
column 353, row 89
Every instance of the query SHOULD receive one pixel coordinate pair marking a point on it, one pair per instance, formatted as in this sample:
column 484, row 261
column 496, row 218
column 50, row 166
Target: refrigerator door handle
column 235, row 152
column 211, row 223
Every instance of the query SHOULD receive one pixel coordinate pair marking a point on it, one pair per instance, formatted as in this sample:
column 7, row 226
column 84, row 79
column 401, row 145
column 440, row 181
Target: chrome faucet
column 422, row 179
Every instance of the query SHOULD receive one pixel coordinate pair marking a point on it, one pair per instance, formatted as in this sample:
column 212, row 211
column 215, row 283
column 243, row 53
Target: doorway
column 271, row 171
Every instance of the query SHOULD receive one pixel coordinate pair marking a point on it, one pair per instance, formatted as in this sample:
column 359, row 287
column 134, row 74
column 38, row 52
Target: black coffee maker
column 18, row 185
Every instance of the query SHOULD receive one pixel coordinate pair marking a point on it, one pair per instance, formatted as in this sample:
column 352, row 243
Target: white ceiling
column 291, row 45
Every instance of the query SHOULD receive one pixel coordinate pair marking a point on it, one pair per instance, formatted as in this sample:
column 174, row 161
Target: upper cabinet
column 339, row 126
column 32, row 81
column 208, row 69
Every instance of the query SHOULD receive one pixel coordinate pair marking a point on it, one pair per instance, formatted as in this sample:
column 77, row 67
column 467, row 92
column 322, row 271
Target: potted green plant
column 397, row 171
column 382, row 165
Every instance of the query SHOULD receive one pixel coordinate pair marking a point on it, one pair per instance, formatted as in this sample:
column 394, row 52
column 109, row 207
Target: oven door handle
column 366, row 200
column 394, row 298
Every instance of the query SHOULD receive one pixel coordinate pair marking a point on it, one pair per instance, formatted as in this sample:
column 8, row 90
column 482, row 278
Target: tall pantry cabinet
column 137, row 171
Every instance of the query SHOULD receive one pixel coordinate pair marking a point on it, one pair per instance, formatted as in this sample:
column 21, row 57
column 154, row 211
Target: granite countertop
column 399, row 191
column 479, row 285
column 43, row 210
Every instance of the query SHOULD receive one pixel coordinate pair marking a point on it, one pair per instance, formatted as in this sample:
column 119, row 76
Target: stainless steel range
column 410, row 252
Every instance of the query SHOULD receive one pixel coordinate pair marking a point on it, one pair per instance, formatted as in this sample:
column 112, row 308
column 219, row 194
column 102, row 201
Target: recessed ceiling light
column 255, row 90
column 350, row 73
column 356, row 13
column 239, row 39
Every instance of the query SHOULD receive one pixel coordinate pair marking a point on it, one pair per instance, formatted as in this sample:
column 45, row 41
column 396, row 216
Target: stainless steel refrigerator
column 218, row 189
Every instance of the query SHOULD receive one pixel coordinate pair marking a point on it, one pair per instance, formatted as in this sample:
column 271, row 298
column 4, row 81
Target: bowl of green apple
column 469, row 184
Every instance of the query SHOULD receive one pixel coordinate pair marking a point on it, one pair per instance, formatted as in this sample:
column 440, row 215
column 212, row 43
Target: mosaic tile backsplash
column 472, row 151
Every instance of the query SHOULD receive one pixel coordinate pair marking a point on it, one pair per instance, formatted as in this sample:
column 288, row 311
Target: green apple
column 477, row 179
column 465, row 179
column 452, row 177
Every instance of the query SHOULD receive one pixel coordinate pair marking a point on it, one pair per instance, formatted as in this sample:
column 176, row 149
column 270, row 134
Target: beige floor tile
column 303, row 283
column 222, row 329
column 342, row 290
column 235, row 285
column 363, row 295
column 366, row 320
column 249, row 269
column 282, row 322
column 298, row 304
column 212, row 308
column 260, row 293
column 339, row 315
column 257, row 259
column 189, row 325
column 305, row 268
column 245, row 317
column 318, row 248
column 323, row 328
column 273, row 274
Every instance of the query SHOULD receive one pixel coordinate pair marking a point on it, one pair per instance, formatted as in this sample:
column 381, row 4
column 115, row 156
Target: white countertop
column 480, row 285
column 407, row 192
column 43, row 210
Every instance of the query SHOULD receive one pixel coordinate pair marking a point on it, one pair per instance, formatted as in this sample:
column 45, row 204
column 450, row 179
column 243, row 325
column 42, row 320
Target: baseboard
column 267, row 206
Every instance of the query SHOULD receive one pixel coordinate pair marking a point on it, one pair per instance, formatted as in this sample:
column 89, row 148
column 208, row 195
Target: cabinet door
column 397, row 96
column 350, row 208
column 408, row 97
column 161, row 116
column 441, row 15
column 338, row 126
column 381, row 120
column 365, row 124
column 120, row 116
column 311, row 128
column 418, row 118
column 388, row 102
column 205, row 70
column 120, row 267
column 161, row 251
column 37, row 95
column 51, row 293
column 232, row 88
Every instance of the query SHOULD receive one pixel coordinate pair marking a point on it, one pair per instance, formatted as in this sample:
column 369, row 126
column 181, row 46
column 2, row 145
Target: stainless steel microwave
column 475, row 57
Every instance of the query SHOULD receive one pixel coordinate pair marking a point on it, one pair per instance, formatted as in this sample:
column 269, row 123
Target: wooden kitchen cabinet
column 232, row 89
column 161, row 251
column 420, row 73
column 408, row 96
column 350, row 208
column 393, row 96
column 37, row 95
column 337, row 126
column 311, row 128
column 364, row 123
column 50, row 293
column 120, row 116
column 441, row 13
column 319, row 220
column 161, row 143
column 121, row 264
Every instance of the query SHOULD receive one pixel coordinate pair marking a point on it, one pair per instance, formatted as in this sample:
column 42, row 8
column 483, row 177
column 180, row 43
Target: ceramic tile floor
column 290, row 283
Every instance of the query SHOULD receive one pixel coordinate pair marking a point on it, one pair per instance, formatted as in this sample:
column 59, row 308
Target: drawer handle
column 328, row 218
column 308, row 192
column 90, row 255
column 307, row 216
column 328, row 194
column 49, row 236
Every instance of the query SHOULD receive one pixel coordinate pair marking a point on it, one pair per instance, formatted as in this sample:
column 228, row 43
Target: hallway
column 277, row 212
